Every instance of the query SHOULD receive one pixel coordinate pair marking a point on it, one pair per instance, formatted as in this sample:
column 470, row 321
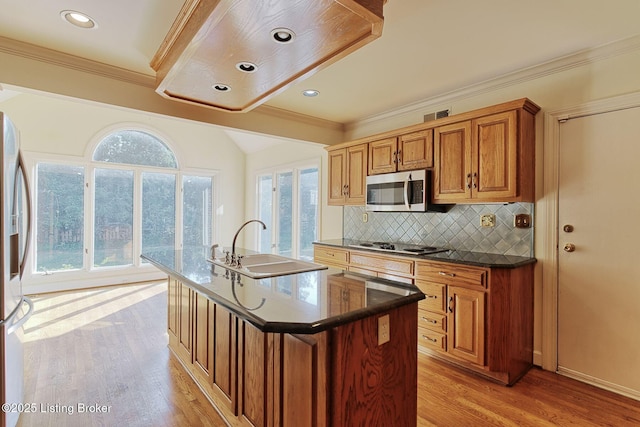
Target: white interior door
column 599, row 281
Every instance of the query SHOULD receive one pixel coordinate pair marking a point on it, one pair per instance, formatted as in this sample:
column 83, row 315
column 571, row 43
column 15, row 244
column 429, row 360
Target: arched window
column 134, row 147
column 127, row 196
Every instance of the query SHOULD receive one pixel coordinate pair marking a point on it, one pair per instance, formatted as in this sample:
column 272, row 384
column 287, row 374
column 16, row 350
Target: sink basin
column 261, row 266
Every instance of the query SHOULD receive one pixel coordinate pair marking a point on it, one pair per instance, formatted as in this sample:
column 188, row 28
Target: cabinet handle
column 346, row 190
column 450, row 304
column 469, row 181
column 394, row 157
column 475, row 178
column 443, row 273
column 431, row 296
column 426, row 319
column 434, row 340
column 399, row 157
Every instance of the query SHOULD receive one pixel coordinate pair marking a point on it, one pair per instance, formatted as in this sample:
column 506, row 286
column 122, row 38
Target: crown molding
column 558, row 65
column 60, row 59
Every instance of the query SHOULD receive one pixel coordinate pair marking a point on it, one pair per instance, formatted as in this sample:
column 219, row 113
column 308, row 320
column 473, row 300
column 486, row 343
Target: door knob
column 568, row 228
column 569, row 247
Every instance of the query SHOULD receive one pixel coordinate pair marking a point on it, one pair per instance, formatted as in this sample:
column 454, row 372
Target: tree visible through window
column 134, row 147
column 134, row 182
column 59, row 217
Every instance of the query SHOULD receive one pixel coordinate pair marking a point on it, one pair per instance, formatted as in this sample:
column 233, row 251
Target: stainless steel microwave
column 399, row 192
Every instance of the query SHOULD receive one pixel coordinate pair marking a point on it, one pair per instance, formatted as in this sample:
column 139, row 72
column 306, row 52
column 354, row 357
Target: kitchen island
column 325, row 347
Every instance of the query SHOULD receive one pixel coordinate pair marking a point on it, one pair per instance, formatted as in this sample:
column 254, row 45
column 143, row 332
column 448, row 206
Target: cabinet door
column 225, row 368
column 183, row 346
column 383, row 156
column 466, row 324
column 255, row 368
column 337, row 174
column 172, row 309
column 356, row 174
column 452, row 163
column 415, row 150
column 495, row 163
column 203, row 337
column 301, row 384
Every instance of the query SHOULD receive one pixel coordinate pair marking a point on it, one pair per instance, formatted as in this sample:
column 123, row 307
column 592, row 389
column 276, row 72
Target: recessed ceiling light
column 283, row 35
column 78, row 19
column 310, row 93
column 246, row 67
column 221, row 87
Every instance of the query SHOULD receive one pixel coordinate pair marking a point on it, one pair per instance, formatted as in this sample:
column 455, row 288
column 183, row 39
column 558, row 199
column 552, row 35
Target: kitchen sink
column 259, row 266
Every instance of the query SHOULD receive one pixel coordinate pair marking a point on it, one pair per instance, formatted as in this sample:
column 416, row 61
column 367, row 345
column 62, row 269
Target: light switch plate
column 384, row 333
column 488, row 220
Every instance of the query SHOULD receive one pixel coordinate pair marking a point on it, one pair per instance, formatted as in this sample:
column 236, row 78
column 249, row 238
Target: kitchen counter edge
column 478, row 259
column 293, row 327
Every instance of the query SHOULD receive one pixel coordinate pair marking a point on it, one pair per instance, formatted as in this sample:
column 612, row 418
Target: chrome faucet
column 233, row 245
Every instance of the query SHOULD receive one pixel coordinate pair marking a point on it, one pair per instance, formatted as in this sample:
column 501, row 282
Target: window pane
column 307, row 212
column 59, row 217
column 158, row 211
column 197, row 214
column 135, row 148
column 285, row 211
column 113, row 222
column 265, row 203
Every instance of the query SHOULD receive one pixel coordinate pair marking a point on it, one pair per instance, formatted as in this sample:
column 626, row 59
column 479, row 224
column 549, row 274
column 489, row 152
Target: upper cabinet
column 347, row 175
column 405, row 152
column 481, row 156
column 486, row 159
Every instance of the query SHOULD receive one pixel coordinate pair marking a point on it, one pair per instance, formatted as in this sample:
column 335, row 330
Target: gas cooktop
column 402, row 248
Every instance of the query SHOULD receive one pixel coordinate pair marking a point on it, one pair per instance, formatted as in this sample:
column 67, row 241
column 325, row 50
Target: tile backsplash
column 457, row 229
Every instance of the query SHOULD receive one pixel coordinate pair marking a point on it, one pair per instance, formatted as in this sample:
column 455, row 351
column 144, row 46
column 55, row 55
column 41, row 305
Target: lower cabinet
column 340, row 377
column 478, row 318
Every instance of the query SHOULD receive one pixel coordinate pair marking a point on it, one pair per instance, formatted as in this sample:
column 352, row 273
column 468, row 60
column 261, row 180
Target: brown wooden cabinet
column 409, row 151
column 415, row 150
column 347, row 175
column 331, row 256
column 179, row 319
column 454, row 309
column 257, row 378
column 481, row 156
column 490, row 158
column 478, row 318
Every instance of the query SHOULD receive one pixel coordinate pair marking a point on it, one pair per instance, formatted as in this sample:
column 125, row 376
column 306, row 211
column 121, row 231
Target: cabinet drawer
column 435, row 321
column 452, row 274
column 431, row 339
column 435, row 296
column 397, row 266
column 330, row 256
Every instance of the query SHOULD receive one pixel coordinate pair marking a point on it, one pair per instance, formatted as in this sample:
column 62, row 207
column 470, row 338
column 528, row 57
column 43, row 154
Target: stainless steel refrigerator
column 15, row 308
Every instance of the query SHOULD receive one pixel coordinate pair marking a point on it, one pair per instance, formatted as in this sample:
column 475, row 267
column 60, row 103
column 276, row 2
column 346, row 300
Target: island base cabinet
column 340, row 377
column 375, row 384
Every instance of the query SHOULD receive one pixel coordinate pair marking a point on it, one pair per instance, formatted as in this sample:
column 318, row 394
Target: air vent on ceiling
column 437, row 115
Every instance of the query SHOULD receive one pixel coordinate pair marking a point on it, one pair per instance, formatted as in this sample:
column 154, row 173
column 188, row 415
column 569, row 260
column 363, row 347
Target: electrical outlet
column 522, row 221
column 384, row 333
column 365, row 217
column 488, row 220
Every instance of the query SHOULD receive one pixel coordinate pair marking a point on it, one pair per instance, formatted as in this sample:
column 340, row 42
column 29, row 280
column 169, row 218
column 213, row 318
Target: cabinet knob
column 569, row 247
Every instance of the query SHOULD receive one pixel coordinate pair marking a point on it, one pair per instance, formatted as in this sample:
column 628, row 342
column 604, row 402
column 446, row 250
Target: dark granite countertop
column 478, row 259
column 298, row 303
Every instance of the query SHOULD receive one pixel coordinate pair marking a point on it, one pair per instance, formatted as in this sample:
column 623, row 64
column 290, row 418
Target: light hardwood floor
column 107, row 349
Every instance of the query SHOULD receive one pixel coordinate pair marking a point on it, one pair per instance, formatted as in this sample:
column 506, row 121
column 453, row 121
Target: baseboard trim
column 597, row 382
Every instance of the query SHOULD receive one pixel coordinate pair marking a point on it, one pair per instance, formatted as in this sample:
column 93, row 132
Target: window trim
column 295, row 167
column 89, row 276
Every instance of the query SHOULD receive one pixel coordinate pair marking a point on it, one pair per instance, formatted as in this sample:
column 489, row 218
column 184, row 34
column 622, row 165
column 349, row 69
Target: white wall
column 53, row 125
